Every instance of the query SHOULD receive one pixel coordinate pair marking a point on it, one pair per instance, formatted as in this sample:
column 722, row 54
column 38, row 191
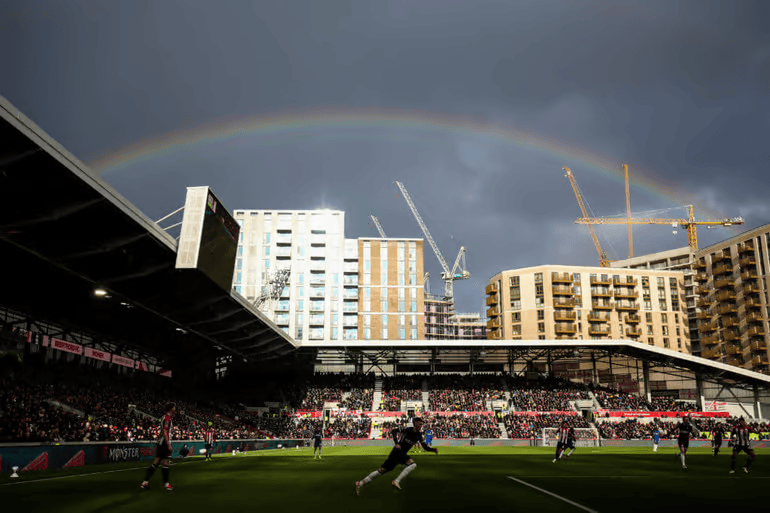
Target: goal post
column 586, row 437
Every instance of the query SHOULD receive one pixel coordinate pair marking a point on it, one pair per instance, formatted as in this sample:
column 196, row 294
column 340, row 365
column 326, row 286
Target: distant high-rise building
column 391, row 289
column 589, row 303
column 442, row 323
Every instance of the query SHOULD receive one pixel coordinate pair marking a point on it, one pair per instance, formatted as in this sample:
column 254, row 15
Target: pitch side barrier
column 66, row 455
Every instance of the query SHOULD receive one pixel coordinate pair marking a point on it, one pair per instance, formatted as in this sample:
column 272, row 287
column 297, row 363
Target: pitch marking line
column 554, row 495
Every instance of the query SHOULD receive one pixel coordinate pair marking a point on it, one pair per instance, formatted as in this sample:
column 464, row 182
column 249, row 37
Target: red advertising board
column 68, row 347
column 663, row 414
column 121, row 360
column 141, row 366
column 98, row 355
column 166, row 373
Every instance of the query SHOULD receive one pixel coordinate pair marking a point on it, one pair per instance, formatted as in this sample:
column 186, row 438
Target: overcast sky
column 678, row 90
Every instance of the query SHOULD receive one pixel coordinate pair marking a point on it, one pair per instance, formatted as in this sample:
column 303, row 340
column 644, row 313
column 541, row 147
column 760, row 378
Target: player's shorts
column 162, row 451
column 428, row 441
column 571, row 444
column 718, row 443
column 208, row 447
column 317, row 445
column 684, row 442
column 656, row 441
column 396, row 457
column 744, row 448
column 560, row 446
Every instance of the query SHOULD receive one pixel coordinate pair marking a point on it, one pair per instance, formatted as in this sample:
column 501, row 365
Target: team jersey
column 208, row 436
column 656, row 435
column 407, row 438
column 429, row 435
column 165, row 430
column 563, row 435
column 717, row 434
column 571, row 436
column 685, row 430
column 317, row 438
column 741, row 435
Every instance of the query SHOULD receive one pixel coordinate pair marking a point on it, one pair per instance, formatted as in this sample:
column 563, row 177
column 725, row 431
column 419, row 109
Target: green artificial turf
column 458, row 479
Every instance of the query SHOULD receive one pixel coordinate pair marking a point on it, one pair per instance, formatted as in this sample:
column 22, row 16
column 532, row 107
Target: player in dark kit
column 565, row 432
column 405, row 439
column 317, row 441
column 208, row 437
column 716, row 438
column 741, row 442
column 684, row 430
column 162, row 450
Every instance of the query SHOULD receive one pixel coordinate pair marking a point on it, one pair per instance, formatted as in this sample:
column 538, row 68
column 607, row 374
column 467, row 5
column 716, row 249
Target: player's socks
column 683, row 463
column 654, row 448
column 165, row 472
column 150, row 472
column 368, row 479
column 570, row 453
column 405, row 473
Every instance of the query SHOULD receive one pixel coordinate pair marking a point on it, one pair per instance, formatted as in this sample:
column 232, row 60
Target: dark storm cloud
column 678, row 90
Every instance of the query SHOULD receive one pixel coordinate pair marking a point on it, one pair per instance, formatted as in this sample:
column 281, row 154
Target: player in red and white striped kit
column 741, row 442
column 563, row 441
column 162, row 451
column 208, row 437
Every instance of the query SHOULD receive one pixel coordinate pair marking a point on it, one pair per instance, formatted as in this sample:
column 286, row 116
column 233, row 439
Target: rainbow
column 331, row 122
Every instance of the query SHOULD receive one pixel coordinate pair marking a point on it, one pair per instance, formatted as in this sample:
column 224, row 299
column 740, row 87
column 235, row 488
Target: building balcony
column 733, row 349
column 493, row 324
column 724, row 283
column 599, row 330
column 319, row 265
column 711, row 354
column 702, row 277
column 350, row 281
column 598, row 280
column 633, row 319
column 730, row 321
column 561, row 315
column 759, row 361
column 754, row 318
column 491, row 288
column 719, row 257
column 751, row 290
column 627, row 306
column 350, row 267
column 703, row 302
column 317, row 280
column 492, row 300
column 735, row 362
column 746, row 247
column 703, row 290
column 704, row 314
column 626, row 294
column 281, row 251
column 709, row 340
column 564, row 302
column 601, row 305
column 726, row 295
column 699, row 265
column 758, row 346
column 561, row 278
column 562, row 291
column 749, row 275
column 707, row 327
column 633, row 332
column 565, row 328
column 748, row 261
column 730, row 335
column 493, row 312
column 756, row 331
column 626, row 281
column 727, row 308
column 493, row 335
column 350, row 294
column 600, row 292
column 565, row 337
column 722, row 269
column 752, row 303
column 594, row 317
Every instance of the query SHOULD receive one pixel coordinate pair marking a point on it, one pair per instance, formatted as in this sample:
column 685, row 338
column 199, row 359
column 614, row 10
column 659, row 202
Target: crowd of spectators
column 400, row 388
column 464, row 393
column 631, row 429
column 461, row 426
column 531, row 426
column 624, row 401
column 349, row 427
column 545, row 395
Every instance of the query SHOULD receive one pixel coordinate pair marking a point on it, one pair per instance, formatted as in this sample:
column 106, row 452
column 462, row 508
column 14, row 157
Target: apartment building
column 442, row 323
column 680, row 259
column 589, row 303
column 391, row 284
column 320, row 301
column 732, row 279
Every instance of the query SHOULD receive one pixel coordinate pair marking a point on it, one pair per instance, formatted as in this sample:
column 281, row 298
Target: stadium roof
column 65, row 232
column 498, row 351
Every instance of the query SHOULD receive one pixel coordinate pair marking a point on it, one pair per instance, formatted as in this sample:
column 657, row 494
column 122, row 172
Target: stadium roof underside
column 481, row 352
column 64, row 232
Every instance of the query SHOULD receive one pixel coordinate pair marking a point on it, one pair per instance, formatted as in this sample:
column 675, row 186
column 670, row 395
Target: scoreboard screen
column 209, row 238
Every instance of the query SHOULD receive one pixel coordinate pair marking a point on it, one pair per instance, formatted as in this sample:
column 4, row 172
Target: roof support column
column 596, row 374
column 757, row 405
column 701, row 401
column 646, row 378
column 548, row 364
column 433, row 358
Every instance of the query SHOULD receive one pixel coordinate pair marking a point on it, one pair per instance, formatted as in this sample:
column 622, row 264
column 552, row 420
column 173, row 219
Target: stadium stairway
column 143, row 414
column 425, row 394
column 345, row 395
column 597, row 406
column 377, row 397
column 66, row 407
column 503, row 432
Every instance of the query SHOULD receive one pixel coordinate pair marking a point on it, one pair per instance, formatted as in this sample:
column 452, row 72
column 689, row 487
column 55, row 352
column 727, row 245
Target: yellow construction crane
column 603, row 261
column 688, row 224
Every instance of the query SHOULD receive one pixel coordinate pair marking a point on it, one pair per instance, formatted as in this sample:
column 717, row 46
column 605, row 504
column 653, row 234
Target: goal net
column 586, row 437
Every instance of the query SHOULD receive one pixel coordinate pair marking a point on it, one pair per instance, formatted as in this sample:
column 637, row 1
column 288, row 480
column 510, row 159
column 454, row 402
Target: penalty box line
column 554, row 495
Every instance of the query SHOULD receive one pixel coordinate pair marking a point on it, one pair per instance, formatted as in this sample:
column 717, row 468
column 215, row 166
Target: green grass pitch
column 458, row 479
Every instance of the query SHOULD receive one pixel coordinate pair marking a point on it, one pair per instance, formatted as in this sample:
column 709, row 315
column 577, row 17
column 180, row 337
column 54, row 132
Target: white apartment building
column 320, row 302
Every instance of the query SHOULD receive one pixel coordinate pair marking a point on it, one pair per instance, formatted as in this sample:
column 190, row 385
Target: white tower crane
column 377, row 224
column 457, row 272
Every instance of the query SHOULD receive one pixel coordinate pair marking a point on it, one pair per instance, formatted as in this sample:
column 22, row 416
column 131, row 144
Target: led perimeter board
column 209, row 237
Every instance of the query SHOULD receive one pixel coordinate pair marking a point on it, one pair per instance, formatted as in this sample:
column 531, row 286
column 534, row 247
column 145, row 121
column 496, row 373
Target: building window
column 648, row 316
column 414, row 306
column 516, row 316
column 541, row 327
column 538, row 277
column 402, row 333
column 414, row 333
column 514, row 281
column 664, row 318
column 663, row 305
column 516, row 329
column 516, row 305
column 650, row 330
column 665, row 330
column 666, row 343
column 540, row 315
column 367, row 333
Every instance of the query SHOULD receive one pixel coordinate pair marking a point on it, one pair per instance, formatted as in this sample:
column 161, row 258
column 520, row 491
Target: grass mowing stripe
column 554, row 495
